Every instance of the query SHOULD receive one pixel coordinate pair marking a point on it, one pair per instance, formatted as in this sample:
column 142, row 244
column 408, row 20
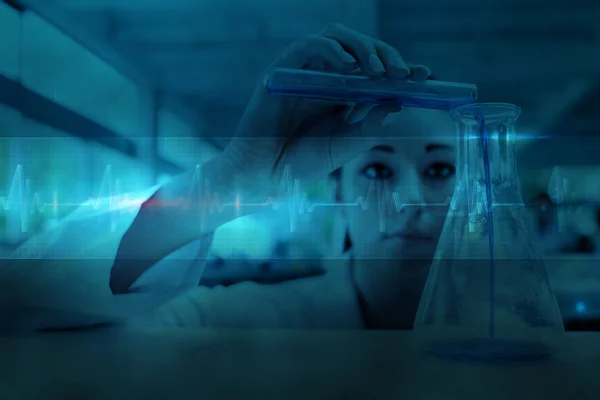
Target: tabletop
column 278, row 364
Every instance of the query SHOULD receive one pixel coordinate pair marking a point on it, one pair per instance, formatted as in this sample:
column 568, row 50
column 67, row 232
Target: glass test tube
column 372, row 90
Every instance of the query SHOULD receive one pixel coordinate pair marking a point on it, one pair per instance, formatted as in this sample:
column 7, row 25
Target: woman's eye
column 377, row 171
column 440, row 171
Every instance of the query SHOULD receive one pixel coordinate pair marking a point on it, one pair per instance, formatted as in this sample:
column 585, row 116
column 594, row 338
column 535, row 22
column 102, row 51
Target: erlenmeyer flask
column 488, row 297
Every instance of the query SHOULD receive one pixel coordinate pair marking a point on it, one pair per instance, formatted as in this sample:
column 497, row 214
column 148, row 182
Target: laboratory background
column 108, row 97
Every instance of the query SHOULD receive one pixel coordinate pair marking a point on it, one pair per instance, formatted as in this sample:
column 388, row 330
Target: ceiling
column 205, row 55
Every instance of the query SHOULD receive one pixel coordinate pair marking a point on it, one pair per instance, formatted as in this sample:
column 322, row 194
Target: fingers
column 419, row 72
column 341, row 49
column 392, row 60
column 361, row 47
column 373, row 56
column 377, row 118
column 360, row 136
column 313, row 51
column 367, row 120
column 333, row 141
column 358, row 112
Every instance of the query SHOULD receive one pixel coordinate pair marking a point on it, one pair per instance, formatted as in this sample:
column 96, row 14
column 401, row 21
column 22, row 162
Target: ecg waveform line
column 291, row 193
column 110, row 196
column 24, row 202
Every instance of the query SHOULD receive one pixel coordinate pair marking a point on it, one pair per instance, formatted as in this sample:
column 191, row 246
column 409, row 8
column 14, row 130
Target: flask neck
column 496, row 150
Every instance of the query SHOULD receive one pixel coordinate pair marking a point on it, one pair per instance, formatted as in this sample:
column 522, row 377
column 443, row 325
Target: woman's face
column 401, row 188
column 397, row 198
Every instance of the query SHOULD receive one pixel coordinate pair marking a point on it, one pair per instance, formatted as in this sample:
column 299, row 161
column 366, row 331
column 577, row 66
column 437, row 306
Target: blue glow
column 490, row 212
column 580, row 307
column 518, row 137
column 246, row 235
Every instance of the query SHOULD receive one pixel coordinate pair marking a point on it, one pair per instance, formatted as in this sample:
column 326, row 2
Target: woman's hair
column 347, row 242
column 336, row 176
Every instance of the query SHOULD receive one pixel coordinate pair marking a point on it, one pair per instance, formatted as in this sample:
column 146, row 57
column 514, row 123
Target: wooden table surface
column 220, row 364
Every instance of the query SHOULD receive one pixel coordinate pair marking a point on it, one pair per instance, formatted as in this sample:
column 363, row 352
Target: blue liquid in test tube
column 371, row 90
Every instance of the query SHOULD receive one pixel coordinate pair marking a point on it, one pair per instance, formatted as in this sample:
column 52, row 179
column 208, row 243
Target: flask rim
column 490, row 111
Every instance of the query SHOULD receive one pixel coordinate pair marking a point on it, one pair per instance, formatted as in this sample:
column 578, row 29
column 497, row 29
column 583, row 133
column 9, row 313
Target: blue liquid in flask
column 490, row 210
column 453, row 298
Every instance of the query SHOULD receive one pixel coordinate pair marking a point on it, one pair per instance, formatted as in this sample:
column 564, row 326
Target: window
column 44, row 175
column 9, row 120
column 9, row 41
column 58, row 68
column 114, row 173
column 179, row 143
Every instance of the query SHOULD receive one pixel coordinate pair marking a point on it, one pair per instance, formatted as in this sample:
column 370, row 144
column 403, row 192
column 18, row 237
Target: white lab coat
column 59, row 279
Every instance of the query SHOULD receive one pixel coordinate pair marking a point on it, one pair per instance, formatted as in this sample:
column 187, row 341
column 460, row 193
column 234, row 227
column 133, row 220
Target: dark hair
column 347, row 242
column 336, row 175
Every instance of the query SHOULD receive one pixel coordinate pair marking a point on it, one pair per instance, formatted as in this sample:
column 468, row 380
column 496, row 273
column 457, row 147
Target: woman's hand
column 309, row 136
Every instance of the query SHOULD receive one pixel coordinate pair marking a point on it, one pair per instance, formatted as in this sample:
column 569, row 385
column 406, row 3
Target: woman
column 377, row 282
column 377, row 286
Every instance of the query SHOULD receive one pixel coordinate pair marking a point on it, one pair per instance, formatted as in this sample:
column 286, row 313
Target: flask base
column 492, row 351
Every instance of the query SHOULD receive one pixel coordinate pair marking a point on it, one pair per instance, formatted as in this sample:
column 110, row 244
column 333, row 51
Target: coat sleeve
column 60, row 278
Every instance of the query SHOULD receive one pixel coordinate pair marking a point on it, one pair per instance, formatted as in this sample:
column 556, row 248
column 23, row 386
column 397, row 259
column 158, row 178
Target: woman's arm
column 273, row 134
column 60, row 278
column 190, row 207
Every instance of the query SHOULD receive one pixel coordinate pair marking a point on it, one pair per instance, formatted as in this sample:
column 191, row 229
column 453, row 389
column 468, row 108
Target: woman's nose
column 411, row 194
column 412, row 188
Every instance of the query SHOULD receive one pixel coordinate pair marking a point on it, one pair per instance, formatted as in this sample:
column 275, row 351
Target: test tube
column 308, row 84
